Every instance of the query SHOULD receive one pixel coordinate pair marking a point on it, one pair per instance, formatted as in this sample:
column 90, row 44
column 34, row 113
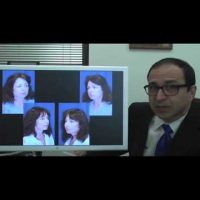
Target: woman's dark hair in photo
column 101, row 81
column 8, row 87
column 30, row 120
column 79, row 116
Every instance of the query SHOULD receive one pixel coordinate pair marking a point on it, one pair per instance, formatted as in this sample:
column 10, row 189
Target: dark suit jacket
column 186, row 141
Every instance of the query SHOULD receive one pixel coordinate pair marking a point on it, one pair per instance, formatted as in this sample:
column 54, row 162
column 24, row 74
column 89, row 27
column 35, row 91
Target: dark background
column 64, row 86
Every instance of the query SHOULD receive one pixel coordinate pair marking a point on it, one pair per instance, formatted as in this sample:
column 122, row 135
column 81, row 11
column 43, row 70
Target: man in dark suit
column 171, row 90
column 186, row 142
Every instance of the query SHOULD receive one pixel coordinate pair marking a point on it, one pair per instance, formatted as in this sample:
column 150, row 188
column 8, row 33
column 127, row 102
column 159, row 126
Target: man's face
column 170, row 108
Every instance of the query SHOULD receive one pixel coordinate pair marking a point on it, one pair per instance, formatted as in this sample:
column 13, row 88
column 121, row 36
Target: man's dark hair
column 188, row 71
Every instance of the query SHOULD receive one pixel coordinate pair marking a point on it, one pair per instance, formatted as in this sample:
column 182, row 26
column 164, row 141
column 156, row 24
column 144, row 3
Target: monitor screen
column 62, row 108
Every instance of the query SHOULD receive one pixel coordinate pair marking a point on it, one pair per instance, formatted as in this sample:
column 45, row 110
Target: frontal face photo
column 17, row 89
column 39, row 124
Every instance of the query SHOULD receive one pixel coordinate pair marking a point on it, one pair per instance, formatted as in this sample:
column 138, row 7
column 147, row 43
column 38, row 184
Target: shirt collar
column 157, row 123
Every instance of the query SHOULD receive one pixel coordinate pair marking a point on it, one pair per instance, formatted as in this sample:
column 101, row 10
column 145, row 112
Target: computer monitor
column 61, row 108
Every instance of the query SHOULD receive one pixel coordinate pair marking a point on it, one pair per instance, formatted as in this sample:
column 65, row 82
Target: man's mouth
column 162, row 108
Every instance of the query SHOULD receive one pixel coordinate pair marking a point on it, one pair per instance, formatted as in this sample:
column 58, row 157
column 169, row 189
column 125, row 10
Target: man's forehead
column 168, row 72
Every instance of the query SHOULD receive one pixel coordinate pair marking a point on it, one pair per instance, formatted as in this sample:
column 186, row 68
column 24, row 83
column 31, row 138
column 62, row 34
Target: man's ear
column 192, row 91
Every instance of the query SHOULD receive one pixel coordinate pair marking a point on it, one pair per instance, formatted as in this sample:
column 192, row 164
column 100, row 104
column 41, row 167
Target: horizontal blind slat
column 67, row 54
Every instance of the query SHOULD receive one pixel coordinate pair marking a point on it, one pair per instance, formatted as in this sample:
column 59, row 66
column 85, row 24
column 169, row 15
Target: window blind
column 44, row 54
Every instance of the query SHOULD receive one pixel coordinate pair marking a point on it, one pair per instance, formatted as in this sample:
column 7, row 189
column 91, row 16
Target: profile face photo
column 74, row 124
column 96, row 89
column 18, row 88
column 39, row 124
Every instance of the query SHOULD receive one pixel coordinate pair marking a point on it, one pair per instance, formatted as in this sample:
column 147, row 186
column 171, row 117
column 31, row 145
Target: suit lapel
column 187, row 135
column 142, row 130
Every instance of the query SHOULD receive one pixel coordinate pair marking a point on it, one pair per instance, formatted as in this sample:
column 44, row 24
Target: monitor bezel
column 124, row 146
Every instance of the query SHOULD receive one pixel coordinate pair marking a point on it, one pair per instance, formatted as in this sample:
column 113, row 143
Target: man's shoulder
column 140, row 109
column 196, row 103
column 195, row 109
column 140, row 106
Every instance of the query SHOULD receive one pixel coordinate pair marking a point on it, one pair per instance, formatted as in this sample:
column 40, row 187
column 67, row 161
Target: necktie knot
column 164, row 141
column 167, row 129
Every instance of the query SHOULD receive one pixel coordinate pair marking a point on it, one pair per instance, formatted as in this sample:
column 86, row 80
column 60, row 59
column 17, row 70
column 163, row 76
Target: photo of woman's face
column 20, row 88
column 71, row 126
column 42, row 123
column 94, row 91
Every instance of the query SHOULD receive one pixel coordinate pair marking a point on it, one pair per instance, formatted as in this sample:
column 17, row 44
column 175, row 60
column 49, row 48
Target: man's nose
column 160, row 95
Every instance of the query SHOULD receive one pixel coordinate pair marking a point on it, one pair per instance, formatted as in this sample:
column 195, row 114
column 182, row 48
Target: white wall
column 139, row 62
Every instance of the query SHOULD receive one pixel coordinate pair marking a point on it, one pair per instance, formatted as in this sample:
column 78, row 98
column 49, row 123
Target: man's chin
column 165, row 118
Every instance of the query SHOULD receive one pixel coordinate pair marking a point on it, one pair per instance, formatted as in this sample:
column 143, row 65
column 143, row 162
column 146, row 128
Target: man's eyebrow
column 171, row 81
